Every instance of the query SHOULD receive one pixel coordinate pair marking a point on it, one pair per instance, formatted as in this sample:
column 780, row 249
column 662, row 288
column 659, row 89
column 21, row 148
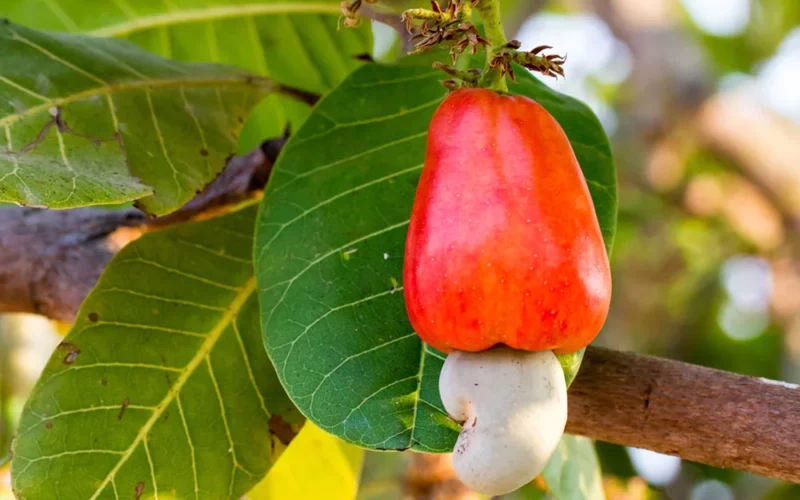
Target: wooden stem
column 50, row 260
column 699, row 414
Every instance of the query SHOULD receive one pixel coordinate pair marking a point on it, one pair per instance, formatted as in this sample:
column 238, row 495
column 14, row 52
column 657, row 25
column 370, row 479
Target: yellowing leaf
column 315, row 465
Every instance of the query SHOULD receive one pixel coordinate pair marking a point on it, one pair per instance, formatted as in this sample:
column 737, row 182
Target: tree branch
column 50, row 260
column 700, row 414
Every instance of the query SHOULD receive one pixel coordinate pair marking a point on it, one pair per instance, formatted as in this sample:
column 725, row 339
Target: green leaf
column 315, row 465
column 329, row 253
column 571, row 363
column 86, row 121
column 296, row 42
column 162, row 386
column 573, row 473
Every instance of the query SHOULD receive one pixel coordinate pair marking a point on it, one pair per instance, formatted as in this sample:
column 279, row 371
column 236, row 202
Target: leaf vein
column 161, row 142
column 416, row 393
column 232, row 449
column 313, row 263
column 172, row 270
column 350, row 358
column 145, row 327
column 69, row 453
column 160, row 298
column 22, row 88
column 152, row 468
column 336, row 197
column 191, row 446
column 250, row 369
column 215, row 252
column 16, row 36
column 207, row 13
column 117, row 87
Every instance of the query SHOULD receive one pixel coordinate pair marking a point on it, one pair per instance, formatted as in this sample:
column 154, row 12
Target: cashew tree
column 243, row 323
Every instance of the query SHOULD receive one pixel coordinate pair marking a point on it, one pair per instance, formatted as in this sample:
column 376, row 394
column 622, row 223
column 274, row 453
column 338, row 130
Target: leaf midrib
column 145, row 84
column 213, row 13
column 202, row 353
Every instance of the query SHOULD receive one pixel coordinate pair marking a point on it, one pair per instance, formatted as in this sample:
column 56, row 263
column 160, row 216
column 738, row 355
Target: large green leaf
column 87, row 121
column 295, row 42
column 329, row 254
column 163, row 385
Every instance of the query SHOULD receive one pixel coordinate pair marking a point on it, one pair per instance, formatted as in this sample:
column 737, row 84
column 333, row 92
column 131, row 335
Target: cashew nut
column 514, row 408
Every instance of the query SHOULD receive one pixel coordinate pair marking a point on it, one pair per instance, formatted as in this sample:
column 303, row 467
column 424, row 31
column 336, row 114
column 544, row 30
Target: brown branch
column 699, row 414
column 50, row 260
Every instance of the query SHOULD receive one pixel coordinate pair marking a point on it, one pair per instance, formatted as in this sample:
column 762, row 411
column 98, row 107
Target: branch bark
column 50, row 260
column 700, row 414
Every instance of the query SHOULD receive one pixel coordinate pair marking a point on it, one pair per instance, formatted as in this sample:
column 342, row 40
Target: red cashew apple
column 504, row 246
column 504, row 255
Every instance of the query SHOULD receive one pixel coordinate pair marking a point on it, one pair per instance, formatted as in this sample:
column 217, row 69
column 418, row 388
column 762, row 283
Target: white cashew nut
column 514, row 408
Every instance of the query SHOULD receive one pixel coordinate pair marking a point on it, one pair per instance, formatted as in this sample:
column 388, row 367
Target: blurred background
column 701, row 99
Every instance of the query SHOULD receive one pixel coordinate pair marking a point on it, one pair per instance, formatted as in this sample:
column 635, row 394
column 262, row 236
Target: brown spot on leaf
column 48, row 425
column 104, row 382
column 71, row 356
column 93, row 317
column 279, row 428
column 204, row 152
column 139, row 490
column 122, row 410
